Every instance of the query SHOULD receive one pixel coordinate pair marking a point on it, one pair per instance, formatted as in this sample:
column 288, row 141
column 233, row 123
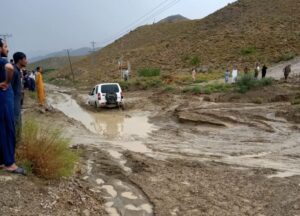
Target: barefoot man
column 7, row 124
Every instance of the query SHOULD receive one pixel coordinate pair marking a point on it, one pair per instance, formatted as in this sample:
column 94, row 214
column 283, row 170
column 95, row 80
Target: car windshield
column 109, row 88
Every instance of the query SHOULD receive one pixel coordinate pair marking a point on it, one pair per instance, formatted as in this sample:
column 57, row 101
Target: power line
column 145, row 15
column 161, row 10
column 162, row 7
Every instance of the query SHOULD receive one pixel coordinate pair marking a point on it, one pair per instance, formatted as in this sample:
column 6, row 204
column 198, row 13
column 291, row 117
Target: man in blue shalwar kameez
column 7, row 125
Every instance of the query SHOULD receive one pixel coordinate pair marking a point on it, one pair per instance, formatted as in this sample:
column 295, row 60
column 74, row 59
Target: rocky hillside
column 241, row 33
column 54, row 62
column 173, row 19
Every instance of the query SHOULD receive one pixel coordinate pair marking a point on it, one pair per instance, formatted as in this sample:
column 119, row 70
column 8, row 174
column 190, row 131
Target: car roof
column 108, row 84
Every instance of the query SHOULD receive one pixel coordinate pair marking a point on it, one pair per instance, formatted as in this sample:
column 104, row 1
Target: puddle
column 129, row 195
column 125, row 130
column 114, row 124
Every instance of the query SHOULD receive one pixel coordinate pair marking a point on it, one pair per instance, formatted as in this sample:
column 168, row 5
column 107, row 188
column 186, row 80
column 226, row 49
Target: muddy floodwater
column 127, row 130
column 112, row 124
column 118, row 131
column 238, row 136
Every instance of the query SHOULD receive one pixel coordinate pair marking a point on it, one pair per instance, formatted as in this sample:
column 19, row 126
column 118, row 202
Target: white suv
column 106, row 95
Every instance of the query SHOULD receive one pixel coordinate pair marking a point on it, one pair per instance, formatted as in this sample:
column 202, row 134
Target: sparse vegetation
column 168, row 88
column 248, row 51
column 32, row 95
column 207, row 89
column 248, row 82
column 141, row 83
column 149, row 72
column 285, row 57
column 45, row 152
column 296, row 100
column 195, row 61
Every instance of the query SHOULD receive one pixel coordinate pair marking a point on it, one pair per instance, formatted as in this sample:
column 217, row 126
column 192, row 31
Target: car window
column 110, row 88
column 93, row 91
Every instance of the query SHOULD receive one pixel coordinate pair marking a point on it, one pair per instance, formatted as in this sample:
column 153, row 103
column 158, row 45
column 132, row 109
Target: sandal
column 19, row 171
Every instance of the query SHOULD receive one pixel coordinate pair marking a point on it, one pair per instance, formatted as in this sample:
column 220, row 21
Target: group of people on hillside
column 257, row 71
column 234, row 73
column 13, row 79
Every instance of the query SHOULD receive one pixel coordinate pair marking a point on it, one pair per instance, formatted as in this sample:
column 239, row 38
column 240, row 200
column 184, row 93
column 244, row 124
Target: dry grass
column 45, row 152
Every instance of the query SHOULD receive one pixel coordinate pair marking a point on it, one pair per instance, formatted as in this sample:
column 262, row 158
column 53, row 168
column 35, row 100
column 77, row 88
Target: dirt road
column 170, row 154
column 232, row 151
column 276, row 71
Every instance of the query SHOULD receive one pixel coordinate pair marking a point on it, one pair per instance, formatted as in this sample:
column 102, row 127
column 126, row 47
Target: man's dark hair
column 38, row 68
column 1, row 42
column 18, row 56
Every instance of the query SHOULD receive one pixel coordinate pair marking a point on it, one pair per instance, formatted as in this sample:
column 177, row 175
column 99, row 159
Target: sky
column 39, row 27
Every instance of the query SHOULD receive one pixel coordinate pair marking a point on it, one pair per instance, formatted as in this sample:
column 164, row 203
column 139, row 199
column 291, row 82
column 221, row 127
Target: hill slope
column 75, row 52
column 173, row 19
column 54, row 62
column 243, row 32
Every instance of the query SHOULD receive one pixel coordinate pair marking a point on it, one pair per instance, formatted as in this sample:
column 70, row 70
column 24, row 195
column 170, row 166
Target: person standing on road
column 20, row 63
column 194, row 74
column 227, row 75
column 7, row 125
column 126, row 75
column 39, row 84
column 234, row 74
column 256, row 71
column 32, row 81
column 246, row 70
column 286, row 71
column 264, row 71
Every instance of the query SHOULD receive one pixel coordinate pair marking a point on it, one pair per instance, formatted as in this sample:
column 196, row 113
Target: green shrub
column 248, row 82
column 248, row 51
column 149, row 72
column 47, row 153
column 207, row 89
column 153, row 83
column 217, row 87
column 196, row 90
column 168, row 88
column 194, row 61
column 295, row 102
column 124, row 85
column 266, row 82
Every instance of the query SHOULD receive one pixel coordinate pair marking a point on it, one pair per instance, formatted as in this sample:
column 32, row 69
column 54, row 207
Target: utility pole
column 93, row 43
column 92, row 52
column 71, row 67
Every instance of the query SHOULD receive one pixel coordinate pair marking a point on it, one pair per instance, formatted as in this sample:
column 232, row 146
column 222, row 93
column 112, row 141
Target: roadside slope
column 243, row 32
